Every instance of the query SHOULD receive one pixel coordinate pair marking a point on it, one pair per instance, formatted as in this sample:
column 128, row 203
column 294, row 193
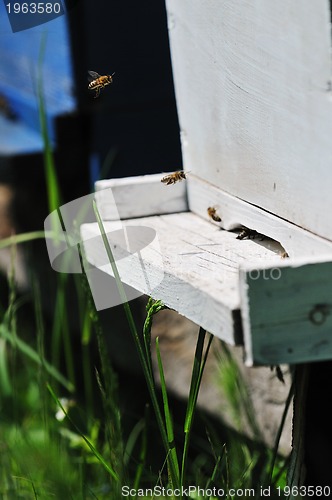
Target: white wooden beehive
column 253, row 89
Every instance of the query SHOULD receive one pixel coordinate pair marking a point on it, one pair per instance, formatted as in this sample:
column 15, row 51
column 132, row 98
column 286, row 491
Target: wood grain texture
column 287, row 311
column 194, row 268
column 139, row 196
column 235, row 212
column 200, row 265
column 252, row 82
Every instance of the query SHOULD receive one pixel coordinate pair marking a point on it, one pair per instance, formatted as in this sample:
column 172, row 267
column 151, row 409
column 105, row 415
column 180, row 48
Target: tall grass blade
column 196, row 378
column 168, row 418
column 143, row 451
column 152, row 307
column 217, row 473
column 141, row 352
column 132, row 439
column 147, row 334
column 95, row 452
column 109, row 385
column 9, row 320
column 236, row 391
column 25, row 349
column 5, row 383
column 280, row 429
column 40, row 334
column 26, row 237
column 61, row 329
column 52, row 185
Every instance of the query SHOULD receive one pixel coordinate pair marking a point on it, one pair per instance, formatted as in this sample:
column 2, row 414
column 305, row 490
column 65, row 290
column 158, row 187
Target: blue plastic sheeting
column 16, row 138
column 20, row 55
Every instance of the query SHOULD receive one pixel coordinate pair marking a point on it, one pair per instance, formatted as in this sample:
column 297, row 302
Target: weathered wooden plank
column 252, row 82
column 145, row 195
column 139, row 196
column 200, row 266
column 235, row 212
column 287, row 311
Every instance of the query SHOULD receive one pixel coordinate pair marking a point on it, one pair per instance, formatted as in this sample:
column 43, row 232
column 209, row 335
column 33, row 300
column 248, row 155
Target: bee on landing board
column 98, row 82
column 247, row 233
column 174, row 177
column 212, row 212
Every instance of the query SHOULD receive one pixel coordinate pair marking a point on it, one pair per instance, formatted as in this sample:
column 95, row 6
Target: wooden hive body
column 253, row 89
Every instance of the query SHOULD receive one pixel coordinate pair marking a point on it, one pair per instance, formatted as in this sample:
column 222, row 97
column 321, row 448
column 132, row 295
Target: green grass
column 64, row 429
column 75, row 448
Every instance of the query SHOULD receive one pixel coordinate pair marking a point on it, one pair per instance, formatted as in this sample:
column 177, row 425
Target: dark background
column 130, row 129
column 133, row 125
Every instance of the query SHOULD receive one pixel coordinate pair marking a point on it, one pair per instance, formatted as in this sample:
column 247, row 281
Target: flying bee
column 212, row 212
column 180, row 175
column 98, row 82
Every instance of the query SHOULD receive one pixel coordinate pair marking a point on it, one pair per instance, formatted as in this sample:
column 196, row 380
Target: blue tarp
column 20, row 55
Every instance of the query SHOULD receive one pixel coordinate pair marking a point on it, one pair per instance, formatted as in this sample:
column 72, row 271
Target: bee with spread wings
column 98, row 82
